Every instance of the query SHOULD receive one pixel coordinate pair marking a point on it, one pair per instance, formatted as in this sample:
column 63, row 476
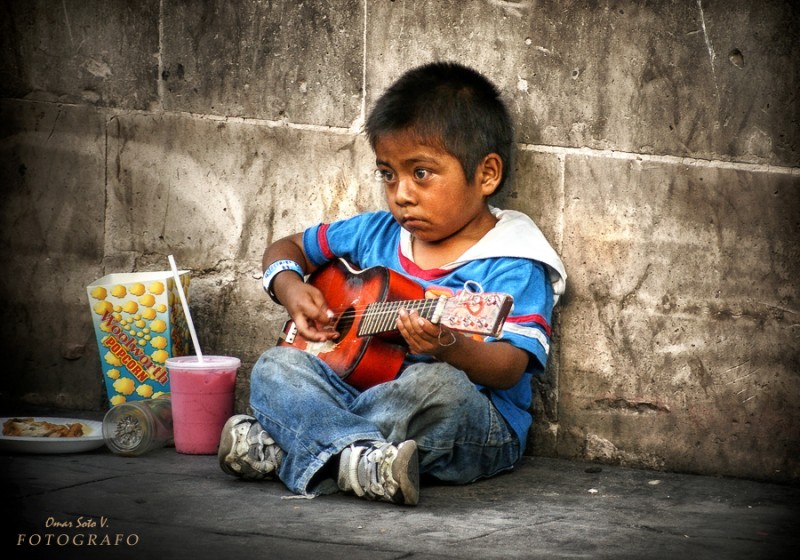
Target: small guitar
column 369, row 350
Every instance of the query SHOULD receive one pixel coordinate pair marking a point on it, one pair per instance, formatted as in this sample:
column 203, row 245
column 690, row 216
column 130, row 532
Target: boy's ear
column 489, row 173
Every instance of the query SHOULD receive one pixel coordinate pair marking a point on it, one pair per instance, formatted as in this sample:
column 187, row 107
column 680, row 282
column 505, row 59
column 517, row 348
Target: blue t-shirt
column 374, row 239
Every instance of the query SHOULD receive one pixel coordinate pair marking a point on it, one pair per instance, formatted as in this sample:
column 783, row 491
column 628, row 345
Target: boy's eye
column 384, row 175
column 421, row 174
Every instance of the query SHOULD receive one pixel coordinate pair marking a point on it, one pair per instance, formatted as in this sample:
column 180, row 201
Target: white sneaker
column 381, row 471
column 247, row 451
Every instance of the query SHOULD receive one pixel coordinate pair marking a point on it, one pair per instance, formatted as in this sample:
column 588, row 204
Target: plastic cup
column 202, row 400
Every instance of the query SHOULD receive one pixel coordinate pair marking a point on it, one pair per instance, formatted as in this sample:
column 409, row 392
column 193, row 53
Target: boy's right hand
column 309, row 310
column 305, row 303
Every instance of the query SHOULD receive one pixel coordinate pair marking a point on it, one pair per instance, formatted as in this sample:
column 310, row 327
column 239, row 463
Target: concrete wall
column 658, row 149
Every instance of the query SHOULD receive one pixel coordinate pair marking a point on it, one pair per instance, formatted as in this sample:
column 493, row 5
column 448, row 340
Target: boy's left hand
column 496, row 365
column 422, row 336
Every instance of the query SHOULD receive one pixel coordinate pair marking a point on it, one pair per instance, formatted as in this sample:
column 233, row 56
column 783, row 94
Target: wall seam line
column 159, row 78
column 674, row 160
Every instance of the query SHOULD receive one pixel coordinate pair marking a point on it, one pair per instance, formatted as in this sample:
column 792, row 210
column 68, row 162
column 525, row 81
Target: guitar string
column 386, row 307
column 383, row 307
column 381, row 316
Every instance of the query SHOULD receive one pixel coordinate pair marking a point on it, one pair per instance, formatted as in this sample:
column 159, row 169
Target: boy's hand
column 309, row 311
column 422, row 336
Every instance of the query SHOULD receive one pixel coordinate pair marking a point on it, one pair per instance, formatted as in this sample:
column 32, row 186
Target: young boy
column 458, row 410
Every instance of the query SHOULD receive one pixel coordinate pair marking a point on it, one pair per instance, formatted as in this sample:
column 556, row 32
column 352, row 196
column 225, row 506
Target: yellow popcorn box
column 138, row 322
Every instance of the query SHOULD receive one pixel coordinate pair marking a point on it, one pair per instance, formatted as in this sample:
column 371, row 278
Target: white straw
column 185, row 308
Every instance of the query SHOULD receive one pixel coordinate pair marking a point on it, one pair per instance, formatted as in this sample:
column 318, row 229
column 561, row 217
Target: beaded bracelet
column 276, row 268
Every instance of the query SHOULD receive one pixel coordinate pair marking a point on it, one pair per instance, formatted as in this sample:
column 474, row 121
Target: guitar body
column 363, row 361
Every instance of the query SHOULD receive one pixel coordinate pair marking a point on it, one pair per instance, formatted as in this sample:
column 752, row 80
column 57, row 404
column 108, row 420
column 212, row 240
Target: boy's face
column 428, row 193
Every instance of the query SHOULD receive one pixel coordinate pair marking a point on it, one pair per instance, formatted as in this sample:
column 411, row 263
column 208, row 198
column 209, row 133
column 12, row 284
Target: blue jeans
column 313, row 415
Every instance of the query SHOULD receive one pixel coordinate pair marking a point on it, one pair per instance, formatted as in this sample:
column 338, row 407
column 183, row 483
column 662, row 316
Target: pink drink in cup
column 202, row 400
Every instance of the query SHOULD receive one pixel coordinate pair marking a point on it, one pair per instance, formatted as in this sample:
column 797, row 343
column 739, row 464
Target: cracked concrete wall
column 658, row 150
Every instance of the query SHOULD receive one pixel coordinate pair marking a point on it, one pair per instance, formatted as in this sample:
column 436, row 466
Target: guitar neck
column 480, row 313
column 381, row 317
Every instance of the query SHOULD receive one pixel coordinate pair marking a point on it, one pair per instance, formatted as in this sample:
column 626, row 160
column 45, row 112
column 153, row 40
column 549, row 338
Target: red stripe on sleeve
column 322, row 239
column 538, row 319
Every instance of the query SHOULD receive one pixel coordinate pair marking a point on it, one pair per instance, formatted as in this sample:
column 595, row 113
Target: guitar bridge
column 289, row 332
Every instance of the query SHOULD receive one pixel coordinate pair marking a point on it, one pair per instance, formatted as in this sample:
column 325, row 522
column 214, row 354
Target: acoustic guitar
column 369, row 349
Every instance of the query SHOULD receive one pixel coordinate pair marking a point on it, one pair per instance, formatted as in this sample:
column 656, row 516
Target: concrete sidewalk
column 176, row 507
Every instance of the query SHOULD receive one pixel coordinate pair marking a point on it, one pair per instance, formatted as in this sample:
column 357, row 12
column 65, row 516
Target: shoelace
column 264, row 448
column 373, row 465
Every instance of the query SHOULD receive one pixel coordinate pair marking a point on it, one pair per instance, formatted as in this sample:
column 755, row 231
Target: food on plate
column 28, row 427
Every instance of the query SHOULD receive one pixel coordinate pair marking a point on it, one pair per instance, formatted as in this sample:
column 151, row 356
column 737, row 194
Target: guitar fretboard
column 381, row 317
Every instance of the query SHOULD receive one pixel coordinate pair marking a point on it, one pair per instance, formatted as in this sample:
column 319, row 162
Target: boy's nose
column 404, row 194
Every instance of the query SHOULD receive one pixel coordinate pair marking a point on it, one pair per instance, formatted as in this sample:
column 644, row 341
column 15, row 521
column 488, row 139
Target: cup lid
column 191, row 362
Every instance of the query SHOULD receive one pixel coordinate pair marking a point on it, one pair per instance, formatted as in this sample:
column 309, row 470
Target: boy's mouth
column 411, row 222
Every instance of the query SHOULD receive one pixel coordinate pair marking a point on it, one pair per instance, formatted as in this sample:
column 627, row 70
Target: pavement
column 166, row 505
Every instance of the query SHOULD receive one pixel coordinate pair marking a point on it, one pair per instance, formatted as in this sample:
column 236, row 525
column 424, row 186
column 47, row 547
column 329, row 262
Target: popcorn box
column 138, row 322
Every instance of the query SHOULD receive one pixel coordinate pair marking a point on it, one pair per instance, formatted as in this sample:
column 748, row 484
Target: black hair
column 450, row 106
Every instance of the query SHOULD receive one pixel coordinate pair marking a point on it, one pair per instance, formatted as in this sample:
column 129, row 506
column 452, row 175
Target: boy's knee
column 438, row 381
column 272, row 363
column 286, row 365
column 285, row 356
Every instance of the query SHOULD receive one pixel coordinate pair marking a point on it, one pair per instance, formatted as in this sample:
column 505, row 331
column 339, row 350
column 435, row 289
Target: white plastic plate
column 92, row 438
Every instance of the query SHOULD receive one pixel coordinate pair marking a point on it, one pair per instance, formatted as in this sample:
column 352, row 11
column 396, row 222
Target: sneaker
column 247, row 451
column 381, row 471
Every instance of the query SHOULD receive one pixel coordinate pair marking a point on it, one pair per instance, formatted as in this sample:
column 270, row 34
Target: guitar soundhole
column 345, row 322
